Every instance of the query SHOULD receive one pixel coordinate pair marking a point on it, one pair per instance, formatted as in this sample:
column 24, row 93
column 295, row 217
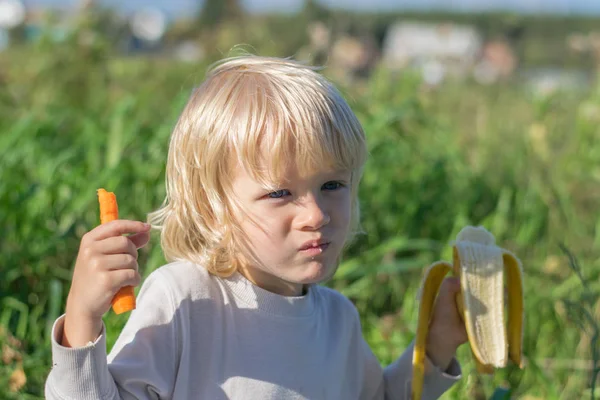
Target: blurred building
column 546, row 81
column 12, row 14
column 436, row 49
column 445, row 50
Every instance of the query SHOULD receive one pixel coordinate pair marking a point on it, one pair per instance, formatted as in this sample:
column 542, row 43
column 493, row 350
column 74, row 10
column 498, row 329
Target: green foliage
column 75, row 118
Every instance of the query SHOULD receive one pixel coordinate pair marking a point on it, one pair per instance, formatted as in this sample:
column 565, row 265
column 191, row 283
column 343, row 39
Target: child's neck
column 272, row 284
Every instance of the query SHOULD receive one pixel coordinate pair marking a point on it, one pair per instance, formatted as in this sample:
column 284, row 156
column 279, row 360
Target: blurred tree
column 215, row 12
column 221, row 23
column 313, row 11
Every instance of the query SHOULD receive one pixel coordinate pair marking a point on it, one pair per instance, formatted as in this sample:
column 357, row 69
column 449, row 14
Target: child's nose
column 313, row 215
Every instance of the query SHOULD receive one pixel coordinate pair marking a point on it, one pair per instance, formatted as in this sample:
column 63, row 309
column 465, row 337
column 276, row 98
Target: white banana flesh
column 482, row 286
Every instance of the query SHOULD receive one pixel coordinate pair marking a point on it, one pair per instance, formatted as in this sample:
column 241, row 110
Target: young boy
column 262, row 177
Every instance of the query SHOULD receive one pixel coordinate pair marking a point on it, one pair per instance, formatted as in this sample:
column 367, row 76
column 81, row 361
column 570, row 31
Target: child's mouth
column 315, row 250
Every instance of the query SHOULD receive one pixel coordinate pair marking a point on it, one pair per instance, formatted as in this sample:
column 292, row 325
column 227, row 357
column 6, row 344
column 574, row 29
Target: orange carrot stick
column 124, row 300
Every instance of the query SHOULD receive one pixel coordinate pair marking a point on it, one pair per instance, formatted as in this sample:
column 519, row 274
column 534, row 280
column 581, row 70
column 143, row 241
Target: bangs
column 292, row 119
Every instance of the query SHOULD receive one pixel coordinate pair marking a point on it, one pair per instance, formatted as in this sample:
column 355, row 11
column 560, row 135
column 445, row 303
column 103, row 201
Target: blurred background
column 482, row 112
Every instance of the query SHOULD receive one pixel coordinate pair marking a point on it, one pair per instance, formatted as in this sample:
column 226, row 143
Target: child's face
column 284, row 227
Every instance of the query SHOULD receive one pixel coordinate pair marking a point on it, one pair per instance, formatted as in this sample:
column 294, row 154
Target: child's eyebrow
column 274, row 185
column 339, row 172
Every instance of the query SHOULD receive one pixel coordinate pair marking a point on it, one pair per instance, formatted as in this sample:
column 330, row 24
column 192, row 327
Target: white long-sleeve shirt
column 197, row 336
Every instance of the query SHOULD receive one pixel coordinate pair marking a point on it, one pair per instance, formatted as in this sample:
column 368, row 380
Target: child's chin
column 317, row 272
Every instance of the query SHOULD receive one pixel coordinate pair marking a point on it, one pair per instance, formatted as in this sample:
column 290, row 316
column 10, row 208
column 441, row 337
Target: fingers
column 119, row 261
column 112, row 281
column 123, row 244
column 116, row 228
column 118, row 270
column 125, row 277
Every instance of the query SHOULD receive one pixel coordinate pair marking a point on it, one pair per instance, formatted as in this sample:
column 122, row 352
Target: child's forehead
column 265, row 175
column 293, row 173
column 281, row 160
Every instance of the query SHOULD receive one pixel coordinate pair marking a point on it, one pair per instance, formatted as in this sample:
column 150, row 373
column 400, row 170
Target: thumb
column 448, row 294
column 450, row 287
column 139, row 239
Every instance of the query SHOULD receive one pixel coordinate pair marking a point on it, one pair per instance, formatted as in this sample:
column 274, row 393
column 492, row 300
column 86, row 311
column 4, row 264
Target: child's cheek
column 342, row 212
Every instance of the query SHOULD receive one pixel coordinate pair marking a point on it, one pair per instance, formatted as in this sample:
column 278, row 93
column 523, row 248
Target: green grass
column 74, row 118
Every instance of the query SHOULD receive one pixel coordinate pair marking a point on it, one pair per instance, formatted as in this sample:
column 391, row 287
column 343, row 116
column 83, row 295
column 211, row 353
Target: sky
column 183, row 7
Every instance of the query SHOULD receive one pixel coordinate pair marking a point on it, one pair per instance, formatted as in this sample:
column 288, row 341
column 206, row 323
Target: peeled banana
column 482, row 268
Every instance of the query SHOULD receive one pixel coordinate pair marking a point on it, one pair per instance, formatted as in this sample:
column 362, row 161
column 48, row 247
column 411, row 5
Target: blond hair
column 247, row 104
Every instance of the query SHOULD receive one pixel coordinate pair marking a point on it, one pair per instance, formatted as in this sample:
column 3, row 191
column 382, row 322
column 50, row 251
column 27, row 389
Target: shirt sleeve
column 141, row 365
column 398, row 377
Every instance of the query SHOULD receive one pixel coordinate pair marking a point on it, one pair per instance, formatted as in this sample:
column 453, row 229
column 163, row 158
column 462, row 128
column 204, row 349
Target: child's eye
column 279, row 194
column 333, row 185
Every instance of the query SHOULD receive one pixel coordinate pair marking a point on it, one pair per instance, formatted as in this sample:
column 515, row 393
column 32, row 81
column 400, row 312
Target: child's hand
column 447, row 329
column 106, row 262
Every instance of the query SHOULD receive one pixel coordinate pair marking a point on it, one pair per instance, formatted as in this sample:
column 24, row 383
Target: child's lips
column 315, row 250
column 314, row 243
